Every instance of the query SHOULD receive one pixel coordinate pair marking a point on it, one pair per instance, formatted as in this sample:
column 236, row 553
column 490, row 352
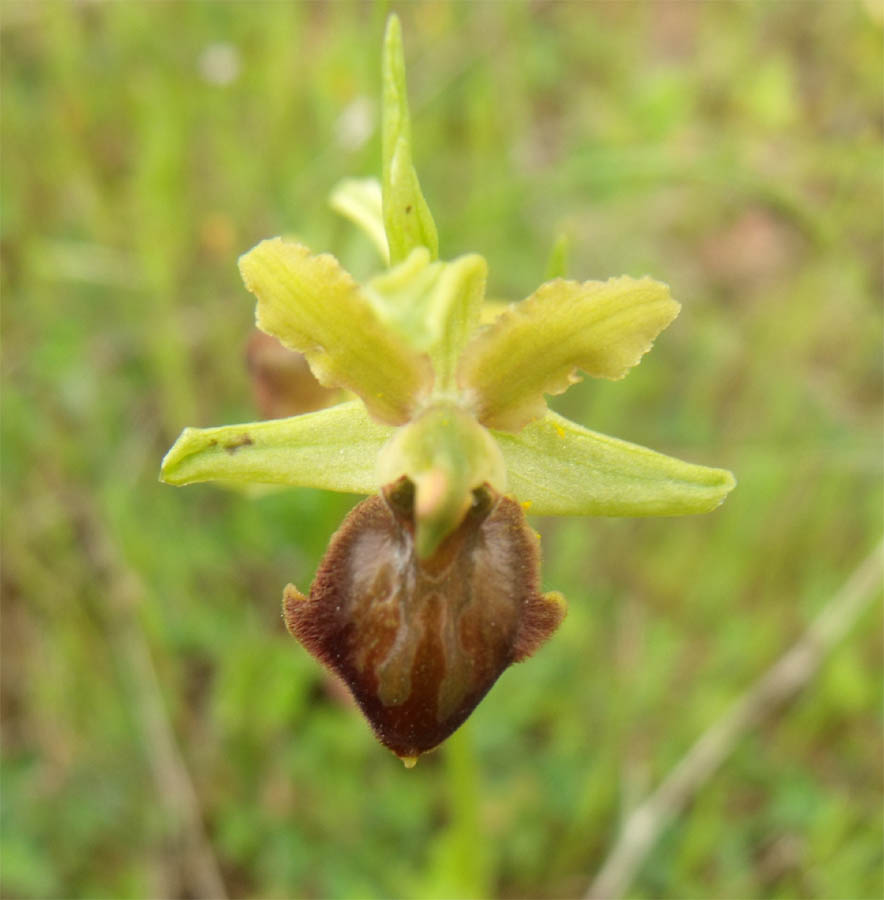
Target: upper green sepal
column 335, row 449
column 556, row 467
column 407, row 217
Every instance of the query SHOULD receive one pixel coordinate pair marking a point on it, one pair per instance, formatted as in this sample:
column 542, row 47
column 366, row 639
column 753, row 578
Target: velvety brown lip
column 420, row 642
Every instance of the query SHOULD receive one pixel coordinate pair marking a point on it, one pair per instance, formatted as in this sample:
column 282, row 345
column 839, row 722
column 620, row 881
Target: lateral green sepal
column 334, row 449
column 558, row 468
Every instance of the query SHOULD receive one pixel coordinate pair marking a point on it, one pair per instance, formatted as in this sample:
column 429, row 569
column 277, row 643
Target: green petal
column 360, row 201
column 534, row 348
column 407, row 217
column 558, row 468
column 315, row 307
column 335, row 449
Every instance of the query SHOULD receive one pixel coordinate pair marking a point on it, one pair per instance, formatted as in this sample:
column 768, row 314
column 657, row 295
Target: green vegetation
column 730, row 149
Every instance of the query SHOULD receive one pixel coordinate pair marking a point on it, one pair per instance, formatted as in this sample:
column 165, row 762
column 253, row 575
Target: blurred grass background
column 731, row 149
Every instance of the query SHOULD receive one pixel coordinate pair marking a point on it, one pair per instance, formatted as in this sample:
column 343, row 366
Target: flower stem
column 469, row 850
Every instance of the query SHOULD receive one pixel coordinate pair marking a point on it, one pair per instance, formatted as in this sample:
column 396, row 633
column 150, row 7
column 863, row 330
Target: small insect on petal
column 420, row 642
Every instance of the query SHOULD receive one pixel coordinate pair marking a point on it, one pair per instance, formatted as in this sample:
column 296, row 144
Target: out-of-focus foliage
column 730, row 149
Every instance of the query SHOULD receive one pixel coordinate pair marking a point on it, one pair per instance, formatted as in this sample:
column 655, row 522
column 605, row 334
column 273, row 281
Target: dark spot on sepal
column 242, row 441
column 420, row 642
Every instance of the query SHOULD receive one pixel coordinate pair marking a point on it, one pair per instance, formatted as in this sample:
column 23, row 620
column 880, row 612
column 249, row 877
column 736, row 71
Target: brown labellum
column 420, row 642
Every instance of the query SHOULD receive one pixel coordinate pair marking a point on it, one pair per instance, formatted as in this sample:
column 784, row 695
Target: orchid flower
column 430, row 588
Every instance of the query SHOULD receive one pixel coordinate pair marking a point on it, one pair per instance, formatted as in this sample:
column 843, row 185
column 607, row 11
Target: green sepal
column 536, row 346
column 360, row 200
column 447, row 455
column 558, row 468
column 314, row 306
column 407, row 217
column 433, row 305
column 334, row 449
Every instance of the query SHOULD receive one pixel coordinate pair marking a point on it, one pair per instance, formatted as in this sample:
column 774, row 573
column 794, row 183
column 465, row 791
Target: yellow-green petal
column 314, row 306
column 334, row 449
column 535, row 347
column 556, row 467
column 407, row 217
